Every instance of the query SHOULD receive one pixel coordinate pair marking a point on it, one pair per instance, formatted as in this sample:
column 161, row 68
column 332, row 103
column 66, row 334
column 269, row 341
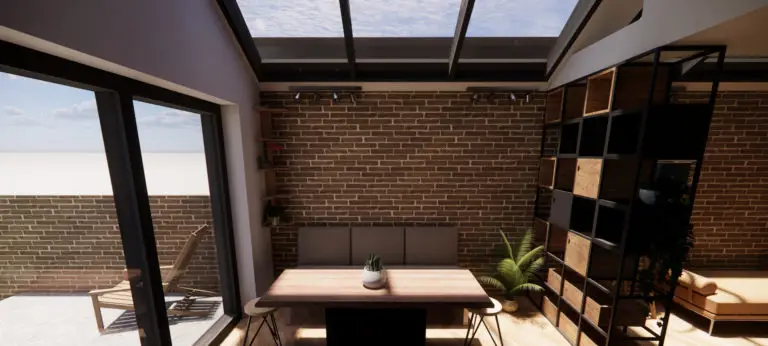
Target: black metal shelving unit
column 603, row 139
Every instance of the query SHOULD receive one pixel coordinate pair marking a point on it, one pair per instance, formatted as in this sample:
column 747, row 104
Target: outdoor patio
column 67, row 319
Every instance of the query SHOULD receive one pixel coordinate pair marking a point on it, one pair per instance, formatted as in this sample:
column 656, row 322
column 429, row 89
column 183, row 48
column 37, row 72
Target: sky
column 37, row 116
column 405, row 18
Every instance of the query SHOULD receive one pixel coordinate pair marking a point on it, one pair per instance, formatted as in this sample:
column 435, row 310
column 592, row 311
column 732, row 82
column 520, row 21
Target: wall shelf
column 599, row 92
column 554, row 108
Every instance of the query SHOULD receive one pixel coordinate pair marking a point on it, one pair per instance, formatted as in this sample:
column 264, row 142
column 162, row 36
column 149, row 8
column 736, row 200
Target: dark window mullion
column 121, row 142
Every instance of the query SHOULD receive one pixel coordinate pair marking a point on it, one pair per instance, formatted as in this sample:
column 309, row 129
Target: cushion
column 431, row 246
column 324, row 246
column 698, row 283
column 386, row 242
column 738, row 293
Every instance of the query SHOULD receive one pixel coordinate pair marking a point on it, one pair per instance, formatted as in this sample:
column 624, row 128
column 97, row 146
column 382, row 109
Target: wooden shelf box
column 633, row 83
column 549, row 309
column 554, row 279
column 554, row 106
column 540, row 230
column 568, row 327
column 582, row 215
column 587, row 178
column 566, row 172
column 547, row 172
column 597, row 309
column 610, row 223
column 617, row 174
column 577, row 253
column 593, row 132
column 557, row 239
column 572, row 294
column 599, row 92
column 574, row 102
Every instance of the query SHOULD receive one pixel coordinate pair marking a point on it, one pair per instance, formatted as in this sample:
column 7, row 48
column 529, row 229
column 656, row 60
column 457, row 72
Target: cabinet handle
column 578, row 168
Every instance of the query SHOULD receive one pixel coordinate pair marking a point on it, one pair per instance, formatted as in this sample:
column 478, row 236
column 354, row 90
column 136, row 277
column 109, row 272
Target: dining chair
column 478, row 316
column 267, row 317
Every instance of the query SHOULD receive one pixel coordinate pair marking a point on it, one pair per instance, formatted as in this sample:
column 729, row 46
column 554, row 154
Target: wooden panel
column 631, row 313
column 549, row 309
column 547, row 172
column 557, row 238
column 572, row 294
column 599, row 92
column 566, row 173
column 633, row 83
column 587, row 181
column 553, row 280
column 586, row 341
column 618, row 178
column 569, row 328
column 540, row 230
column 560, row 213
column 405, row 287
column 574, row 102
column 554, row 106
column 577, row 253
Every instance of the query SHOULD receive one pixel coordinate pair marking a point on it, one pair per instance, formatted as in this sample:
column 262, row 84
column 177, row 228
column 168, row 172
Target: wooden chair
column 119, row 297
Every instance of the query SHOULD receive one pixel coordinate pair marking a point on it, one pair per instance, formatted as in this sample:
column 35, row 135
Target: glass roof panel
column 519, row 18
column 292, row 18
column 404, row 18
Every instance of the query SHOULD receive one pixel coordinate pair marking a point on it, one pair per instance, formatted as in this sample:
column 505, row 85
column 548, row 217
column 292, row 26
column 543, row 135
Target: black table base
column 349, row 326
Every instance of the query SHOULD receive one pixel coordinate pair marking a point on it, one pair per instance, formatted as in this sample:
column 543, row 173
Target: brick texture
column 72, row 243
column 731, row 207
column 402, row 159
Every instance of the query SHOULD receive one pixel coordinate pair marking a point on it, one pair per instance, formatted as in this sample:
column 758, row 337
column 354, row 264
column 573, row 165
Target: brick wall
column 72, row 243
column 731, row 208
column 419, row 158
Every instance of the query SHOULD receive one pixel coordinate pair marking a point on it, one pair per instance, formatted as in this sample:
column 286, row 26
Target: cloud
column 85, row 110
column 405, row 18
column 10, row 110
column 172, row 119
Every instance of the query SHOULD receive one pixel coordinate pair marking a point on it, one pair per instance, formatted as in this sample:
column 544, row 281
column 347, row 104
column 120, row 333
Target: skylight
column 405, row 18
column 519, row 18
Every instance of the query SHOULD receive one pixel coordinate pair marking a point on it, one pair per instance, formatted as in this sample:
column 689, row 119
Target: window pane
column 404, row 18
column 519, row 18
column 59, row 237
column 292, row 18
column 177, row 184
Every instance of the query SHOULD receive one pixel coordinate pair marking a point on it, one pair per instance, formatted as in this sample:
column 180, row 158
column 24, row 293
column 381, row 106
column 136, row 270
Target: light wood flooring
column 529, row 327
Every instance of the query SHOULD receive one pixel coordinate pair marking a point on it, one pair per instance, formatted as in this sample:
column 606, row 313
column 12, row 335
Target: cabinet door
column 561, row 208
column 587, row 182
column 577, row 253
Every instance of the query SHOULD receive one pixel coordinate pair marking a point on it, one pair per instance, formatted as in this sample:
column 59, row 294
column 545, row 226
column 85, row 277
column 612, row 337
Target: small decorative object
column 373, row 273
column 273, row 211
column 274, row 146
column 648, row 196
column 514, row 272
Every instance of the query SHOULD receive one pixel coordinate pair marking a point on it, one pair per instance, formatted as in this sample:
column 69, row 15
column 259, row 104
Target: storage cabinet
column 613, row 130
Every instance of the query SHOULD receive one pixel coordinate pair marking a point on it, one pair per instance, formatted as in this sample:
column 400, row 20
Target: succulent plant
column 373, row 263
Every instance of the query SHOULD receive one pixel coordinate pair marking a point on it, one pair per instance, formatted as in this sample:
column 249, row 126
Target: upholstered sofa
column 724, row 295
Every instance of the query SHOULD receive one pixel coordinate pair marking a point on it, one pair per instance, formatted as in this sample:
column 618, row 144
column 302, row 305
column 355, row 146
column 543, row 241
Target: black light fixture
column 335, row 98
column 317, row 89
column 511, row 93
column 297, row 97
column 353, row 98
column 475, row 98
column 512, row 97
column 315, row 97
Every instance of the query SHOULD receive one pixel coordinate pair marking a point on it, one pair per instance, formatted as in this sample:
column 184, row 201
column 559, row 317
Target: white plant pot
column 374, row 279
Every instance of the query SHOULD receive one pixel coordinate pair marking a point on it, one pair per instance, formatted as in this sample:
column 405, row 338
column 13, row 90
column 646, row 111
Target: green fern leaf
column 510, row 253
column 525, row 245
column 511, row 273
column 529, row 257
column 528, row 287
column 493, row 282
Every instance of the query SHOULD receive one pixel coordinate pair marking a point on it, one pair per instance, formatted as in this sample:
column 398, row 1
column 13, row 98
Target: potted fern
column 516, row 270
column 373, row 273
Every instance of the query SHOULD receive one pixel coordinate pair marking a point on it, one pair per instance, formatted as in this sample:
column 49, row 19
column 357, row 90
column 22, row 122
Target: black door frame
column 114, row 98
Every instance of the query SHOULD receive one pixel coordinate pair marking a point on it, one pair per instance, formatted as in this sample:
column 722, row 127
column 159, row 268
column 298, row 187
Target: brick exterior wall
column 401, row 159
column 72, row 243
column 731, row 207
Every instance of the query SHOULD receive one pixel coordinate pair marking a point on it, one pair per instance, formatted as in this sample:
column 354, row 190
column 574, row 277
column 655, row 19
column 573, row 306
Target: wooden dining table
column 392, row 315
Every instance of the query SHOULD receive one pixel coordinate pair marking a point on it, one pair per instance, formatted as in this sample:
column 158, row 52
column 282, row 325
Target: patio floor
column 67, row 319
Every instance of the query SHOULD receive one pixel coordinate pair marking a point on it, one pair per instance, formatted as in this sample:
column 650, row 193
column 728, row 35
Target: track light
column 315, row 97
column 475, row 98
column 353, row 98
column 527, row 98
column 335, row 98
column 297, row 97
column 512, row 97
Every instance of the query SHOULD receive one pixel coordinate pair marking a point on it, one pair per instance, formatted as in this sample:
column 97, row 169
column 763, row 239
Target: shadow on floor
column 723, row 329
column 127, row 320
column 430, row 342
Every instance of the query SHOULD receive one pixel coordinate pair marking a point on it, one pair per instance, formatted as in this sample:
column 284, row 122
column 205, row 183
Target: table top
column 405, row 288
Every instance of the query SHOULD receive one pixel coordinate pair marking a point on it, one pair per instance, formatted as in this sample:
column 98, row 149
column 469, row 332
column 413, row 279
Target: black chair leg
column 255, row 335
column 277, row 331
column 469, row 327
column 247, row 327
column 490, row 335
column 498, row 327
column 476, row 329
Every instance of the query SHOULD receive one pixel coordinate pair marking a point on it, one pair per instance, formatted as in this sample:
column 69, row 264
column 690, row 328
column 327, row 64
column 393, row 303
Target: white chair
column 267, row 317
column 478, row 316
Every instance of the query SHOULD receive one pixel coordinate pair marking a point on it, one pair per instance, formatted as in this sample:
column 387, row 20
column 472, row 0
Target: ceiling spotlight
column 297, row 97
column 315, row 97
column 512, row 97
column 335, row 97
column 475, row 98
column 353, row 98
column 527, row 98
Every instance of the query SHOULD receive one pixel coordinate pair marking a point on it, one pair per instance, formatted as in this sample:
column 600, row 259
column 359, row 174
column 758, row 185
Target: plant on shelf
column 373, row 272
column 273, row 212
column 516, row 270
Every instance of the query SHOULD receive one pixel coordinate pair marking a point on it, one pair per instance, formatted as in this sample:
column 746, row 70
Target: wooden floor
column 529, row 327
